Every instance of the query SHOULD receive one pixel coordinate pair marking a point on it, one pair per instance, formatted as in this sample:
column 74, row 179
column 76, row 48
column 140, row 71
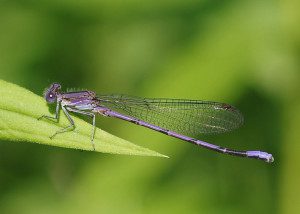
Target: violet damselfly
column 174, row 117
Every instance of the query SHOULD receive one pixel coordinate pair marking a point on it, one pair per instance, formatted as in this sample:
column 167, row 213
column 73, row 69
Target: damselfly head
column 50, row 93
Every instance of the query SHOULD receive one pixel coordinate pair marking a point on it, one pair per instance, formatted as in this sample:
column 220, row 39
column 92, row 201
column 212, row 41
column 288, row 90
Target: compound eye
column 51, row 97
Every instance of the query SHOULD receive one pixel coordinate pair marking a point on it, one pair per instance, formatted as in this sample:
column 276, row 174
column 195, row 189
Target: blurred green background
column 245, row 53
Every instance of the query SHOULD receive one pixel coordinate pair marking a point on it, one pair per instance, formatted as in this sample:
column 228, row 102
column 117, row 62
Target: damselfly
column 174, row 117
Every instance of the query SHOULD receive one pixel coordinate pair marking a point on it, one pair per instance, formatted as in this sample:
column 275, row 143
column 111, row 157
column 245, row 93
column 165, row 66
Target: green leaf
column 20, row 108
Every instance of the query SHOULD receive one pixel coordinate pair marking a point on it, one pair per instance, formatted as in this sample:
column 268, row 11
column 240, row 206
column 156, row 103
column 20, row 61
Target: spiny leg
column 66, row 129
column 94, row 122
column 50, row 117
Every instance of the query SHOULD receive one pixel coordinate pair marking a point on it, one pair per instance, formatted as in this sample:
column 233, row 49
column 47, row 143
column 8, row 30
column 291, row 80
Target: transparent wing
column 189, row 117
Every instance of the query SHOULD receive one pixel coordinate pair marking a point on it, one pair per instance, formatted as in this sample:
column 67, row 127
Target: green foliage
column 20, row 108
